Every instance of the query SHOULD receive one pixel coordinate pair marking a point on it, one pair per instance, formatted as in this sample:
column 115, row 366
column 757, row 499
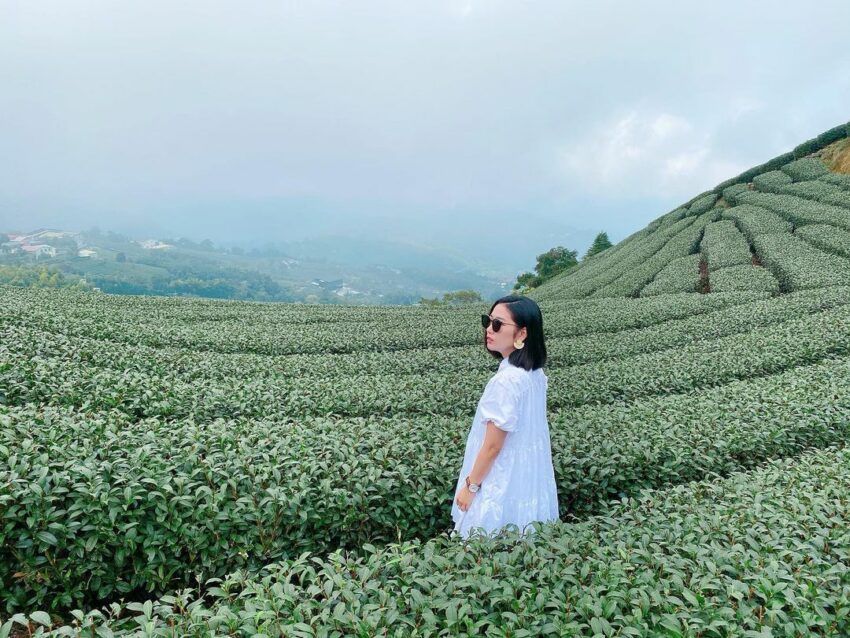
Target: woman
column 507, row 474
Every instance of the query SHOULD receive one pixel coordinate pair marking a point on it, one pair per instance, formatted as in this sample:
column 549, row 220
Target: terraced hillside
column 281, row 469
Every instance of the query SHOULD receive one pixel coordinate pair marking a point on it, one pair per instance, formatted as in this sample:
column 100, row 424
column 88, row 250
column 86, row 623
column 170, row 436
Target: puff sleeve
column 500, row 402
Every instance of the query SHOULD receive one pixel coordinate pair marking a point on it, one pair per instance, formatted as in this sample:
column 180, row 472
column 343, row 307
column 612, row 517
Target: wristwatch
column 472, row 487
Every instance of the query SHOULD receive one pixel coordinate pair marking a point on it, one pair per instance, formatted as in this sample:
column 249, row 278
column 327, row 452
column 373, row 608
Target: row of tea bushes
column 632, row 255
column 805, row 169
column 391, row 334
column 682, row 244
column 797, row 264
column 724, row 245
column 189, row 365
column 819, row 191
column 149, row 505
column 753, row 278
column 829, row 238
column 762, row 553
column 680, row 275
column 797, row 210
column 762, row 350
column 754, row 221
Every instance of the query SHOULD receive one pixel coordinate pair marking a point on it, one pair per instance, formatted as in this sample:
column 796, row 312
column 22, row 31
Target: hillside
column 277, row 469
column 778, row 227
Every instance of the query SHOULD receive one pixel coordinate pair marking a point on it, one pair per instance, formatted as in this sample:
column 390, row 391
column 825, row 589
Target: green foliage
column 680, row 275
column 723, row 245
column 838, row 179
column 805, row 169
column 734, row 278
column 753, row 221
column 454, row 298
column 555, row 261
column 797, row 264
column 740, row 555
column 702, row 204
column 771, row 182
column 116, row 471
column 552, row 262
column 797, row 210
column 683, row 243
column 806, row 148
column 833, row 135
column 730, row 192
column 39, row 277
column 829, row 238
column 820, row 191
column 600, row 243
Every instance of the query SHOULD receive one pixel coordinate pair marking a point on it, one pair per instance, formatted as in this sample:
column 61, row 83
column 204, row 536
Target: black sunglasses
column 497, row 323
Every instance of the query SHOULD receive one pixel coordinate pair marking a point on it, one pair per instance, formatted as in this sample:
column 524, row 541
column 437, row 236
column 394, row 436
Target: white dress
column 520, row 486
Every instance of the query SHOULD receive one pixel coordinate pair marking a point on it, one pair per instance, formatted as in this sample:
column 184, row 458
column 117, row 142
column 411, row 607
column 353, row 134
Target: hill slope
column 778, row 227
column 307, row 456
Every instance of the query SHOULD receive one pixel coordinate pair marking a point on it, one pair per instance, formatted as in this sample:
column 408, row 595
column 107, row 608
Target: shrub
column 680, row 275
column 771, row 181
column 724, row 245
column 805, row 169
column 743, row 278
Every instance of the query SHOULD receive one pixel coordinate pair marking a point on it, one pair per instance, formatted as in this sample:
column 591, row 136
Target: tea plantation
column 183, row 467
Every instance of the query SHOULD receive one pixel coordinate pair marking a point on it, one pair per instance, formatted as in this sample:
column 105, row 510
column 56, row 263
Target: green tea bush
column 819, row 191
column 797, row 264
column 829, row 238
column 631, row 257
column 797, row 210
column 771, row 182
column 758, row 553
column 724, row 245
column 702, row 204
column 680, row 275
column 806, row 148
column 753, row 221
column 686, row 242
column 730, row 192
column 805, row 169
column 838, row 179
column 743, row 278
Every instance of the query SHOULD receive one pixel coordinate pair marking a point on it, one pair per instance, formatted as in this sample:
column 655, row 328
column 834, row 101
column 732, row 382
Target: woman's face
column 503, row 341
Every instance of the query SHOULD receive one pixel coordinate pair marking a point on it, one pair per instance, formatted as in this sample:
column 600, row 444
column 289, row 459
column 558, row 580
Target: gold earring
column 518, row 345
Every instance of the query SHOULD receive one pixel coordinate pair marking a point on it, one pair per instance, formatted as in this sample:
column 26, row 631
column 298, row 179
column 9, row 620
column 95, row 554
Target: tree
column 462, row 296
column 121, row 258
column 549, row 264
column 452, row 298
column 599, row 244
column 555, row 261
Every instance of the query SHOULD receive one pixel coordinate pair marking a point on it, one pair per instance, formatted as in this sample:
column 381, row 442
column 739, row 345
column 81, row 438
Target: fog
column 495, row 129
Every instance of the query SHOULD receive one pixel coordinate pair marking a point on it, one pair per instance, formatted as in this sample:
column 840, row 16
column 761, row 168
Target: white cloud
column 645, row 154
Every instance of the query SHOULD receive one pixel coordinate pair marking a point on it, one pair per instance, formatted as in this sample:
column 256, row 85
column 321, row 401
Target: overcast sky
column 260, row 119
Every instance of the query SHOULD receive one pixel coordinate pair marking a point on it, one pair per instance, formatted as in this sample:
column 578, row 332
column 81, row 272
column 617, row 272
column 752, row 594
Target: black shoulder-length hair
column 526, row 314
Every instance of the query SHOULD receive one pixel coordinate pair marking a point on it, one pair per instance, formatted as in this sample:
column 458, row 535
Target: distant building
column 39, row 250
column 86, row 252
column 153, row 244
column 345, row 290
column 328, row 285
column 50, row 234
